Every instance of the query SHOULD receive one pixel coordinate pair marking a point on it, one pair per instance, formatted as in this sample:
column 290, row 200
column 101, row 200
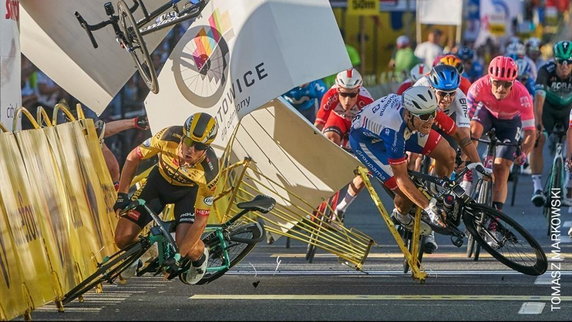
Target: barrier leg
column 411, row 259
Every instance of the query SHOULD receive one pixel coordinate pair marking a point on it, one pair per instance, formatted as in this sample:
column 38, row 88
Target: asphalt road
column 276, row 283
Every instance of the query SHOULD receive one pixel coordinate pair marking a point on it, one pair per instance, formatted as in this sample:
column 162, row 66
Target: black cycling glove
column 122, row 201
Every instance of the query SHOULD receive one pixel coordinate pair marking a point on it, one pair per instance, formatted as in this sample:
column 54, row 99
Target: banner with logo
column 241, row 54
column 23, row 221
column 9, row 61
column 53, row 40
column 496, row 19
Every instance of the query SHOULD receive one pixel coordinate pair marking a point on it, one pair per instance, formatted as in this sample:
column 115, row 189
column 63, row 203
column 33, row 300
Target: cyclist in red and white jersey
column 499, row 101
column 417, row 72
column 339, row 106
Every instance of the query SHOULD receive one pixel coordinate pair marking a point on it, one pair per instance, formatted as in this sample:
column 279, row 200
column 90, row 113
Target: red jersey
column 330, row 102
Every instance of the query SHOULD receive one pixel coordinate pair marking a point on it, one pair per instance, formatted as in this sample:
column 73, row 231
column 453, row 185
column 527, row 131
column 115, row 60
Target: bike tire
column 555, row 182
column 137, row 47
column 237, row 249
column 109, row 270
column 324, row 213
column 485, row 197
column 514, row 235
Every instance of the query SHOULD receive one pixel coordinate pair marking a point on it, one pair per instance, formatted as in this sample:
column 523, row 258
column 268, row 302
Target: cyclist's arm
column 463, row 137
column 569, row 143
column 529, row 139
column 407, row 186
column 129, row 169
column 329, row 101
column 114, row 127
column 539, row 97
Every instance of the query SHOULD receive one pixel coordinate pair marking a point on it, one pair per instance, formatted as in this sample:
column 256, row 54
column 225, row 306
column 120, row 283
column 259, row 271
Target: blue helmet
column 524, row 68
column 444, row 77
column 465, row 53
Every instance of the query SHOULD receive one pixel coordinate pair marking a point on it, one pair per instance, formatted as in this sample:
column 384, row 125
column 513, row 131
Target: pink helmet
column 349, row 79
column 503, row 68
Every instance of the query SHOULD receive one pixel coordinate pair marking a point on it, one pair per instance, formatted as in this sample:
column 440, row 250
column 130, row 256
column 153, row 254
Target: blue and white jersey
column 306, row 96
column 383, row 121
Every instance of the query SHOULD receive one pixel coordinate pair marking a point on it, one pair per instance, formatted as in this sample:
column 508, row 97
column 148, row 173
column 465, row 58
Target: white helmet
column 418, row 71
column 419, row 100
column 349, row 79
column 533, row 43
column 515, row 48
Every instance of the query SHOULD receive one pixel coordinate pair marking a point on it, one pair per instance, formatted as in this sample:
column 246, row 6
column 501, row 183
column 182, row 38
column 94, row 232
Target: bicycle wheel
column 241, row 240
column 554, row 183
column 136, row 46
column 323, row 214
column 109, row 269
column 484, row 197
column 513, row 245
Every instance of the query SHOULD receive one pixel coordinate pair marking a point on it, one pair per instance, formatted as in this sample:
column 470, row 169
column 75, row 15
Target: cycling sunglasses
column 562, row 61
column 499, row 83
column 446, row 93
column 190, row 143
column 426, row 116
column 352, row 95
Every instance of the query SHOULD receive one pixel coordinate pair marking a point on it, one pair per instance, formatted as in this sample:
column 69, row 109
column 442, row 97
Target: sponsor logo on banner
column 363, row 7
column 28, row 224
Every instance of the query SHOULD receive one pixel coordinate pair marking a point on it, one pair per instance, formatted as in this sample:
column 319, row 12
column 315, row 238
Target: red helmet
column 503, row 68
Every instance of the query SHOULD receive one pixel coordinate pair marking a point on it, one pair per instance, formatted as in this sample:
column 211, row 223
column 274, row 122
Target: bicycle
column 483, row 188
column 129, row 32
column 228, row 244
column 554, row 186
column 498, row 234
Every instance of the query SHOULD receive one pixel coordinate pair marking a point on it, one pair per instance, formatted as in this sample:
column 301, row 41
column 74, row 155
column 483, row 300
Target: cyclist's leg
column 537, row 158
column 506, row 131
column 433, row 146
column 480, row 124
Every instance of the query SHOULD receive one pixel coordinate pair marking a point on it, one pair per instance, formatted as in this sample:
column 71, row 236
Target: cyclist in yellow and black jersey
column 185, row 176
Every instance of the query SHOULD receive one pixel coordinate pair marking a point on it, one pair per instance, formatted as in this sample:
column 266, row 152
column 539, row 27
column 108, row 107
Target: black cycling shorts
column 552, row 115
column 507, row 131
column 157, row 193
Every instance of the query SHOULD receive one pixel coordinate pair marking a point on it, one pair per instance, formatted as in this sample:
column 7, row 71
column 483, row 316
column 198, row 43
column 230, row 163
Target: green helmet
column 563, row 49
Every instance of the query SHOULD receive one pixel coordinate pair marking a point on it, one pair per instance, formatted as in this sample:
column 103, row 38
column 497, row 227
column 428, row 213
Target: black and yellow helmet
column 200, row 128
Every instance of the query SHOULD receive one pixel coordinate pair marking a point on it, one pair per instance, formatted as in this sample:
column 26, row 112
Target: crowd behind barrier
column 56, row 212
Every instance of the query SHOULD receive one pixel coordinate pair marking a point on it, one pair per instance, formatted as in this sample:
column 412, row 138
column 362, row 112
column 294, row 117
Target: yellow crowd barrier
column 56, row 210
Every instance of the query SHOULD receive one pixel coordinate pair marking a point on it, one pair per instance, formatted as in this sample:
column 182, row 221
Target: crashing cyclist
column 380, row 136
column 552, row 105
column 339, row 106
column 499, row 101
column 185, row 176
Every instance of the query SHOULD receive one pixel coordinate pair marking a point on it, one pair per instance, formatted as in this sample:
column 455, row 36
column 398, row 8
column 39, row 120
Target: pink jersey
column 331, row 102
column 518, row 102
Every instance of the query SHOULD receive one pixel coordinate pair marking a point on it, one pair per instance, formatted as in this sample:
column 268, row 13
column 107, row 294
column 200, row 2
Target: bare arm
column 407, row 186
column 129, row 169
column 114, row 127
column 538, row 105
column 463, row 137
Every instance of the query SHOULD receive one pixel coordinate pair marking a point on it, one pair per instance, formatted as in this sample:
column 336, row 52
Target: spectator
column 429, row 50
column 403, row 59
column 306, row 98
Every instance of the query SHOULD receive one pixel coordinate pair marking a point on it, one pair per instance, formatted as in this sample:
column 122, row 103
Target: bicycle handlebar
column 87, row 27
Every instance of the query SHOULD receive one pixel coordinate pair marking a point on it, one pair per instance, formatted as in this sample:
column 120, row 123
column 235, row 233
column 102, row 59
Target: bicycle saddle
column 261, row 203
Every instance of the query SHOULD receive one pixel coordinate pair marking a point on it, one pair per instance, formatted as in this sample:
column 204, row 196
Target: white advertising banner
column 440, row 12
column 240, row 54
column 496, row 19
column 54, row 41
column 10, row 89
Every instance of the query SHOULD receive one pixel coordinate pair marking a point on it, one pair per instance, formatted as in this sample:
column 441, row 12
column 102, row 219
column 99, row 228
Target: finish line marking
column 356, row 297
column 365, row 273
column 400, row 255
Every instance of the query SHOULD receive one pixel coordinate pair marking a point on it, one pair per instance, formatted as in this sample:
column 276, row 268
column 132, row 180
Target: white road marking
column 532, row 308
column 353, row 272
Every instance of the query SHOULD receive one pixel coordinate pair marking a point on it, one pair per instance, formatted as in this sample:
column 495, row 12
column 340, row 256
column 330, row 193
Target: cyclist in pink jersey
column 339, row 106
column 499, row 101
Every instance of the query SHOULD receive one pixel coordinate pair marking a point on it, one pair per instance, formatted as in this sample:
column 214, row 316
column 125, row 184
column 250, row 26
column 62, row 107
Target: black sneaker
column 538, row 198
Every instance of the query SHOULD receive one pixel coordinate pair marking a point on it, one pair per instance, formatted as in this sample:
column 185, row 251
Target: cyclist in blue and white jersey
column 306, row 98
column 382, row 133
column 525, row 75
